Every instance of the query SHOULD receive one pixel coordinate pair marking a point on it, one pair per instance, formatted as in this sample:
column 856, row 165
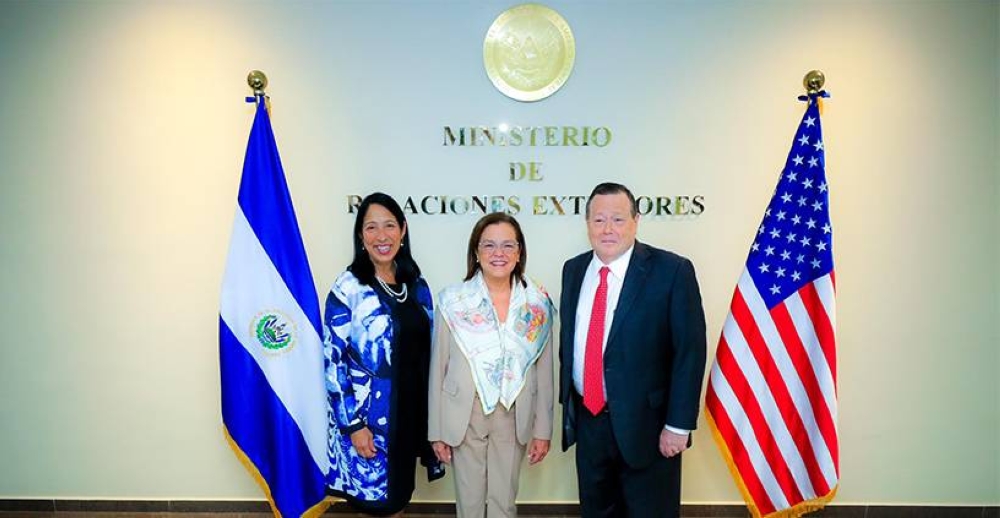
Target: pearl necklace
column 399, row 296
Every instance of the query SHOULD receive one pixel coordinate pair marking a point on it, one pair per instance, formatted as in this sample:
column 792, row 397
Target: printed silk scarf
column 499, row 356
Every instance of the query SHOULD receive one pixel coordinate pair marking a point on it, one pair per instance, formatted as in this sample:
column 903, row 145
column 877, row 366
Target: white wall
column 122, row 132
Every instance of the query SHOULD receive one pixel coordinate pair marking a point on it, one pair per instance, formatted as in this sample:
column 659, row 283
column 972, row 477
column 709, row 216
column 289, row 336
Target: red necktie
column 593, row 360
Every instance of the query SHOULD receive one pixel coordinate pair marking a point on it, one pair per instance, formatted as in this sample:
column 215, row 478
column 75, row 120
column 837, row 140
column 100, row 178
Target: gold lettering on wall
column 540, row 205
column 533, row 136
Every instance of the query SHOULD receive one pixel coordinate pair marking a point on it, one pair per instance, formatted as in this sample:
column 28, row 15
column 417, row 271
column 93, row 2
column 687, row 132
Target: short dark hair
column 496, row 218
column 612, row 188
column 407, row 271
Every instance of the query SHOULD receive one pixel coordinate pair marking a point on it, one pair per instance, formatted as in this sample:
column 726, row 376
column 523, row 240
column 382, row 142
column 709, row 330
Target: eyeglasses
column 506, row 247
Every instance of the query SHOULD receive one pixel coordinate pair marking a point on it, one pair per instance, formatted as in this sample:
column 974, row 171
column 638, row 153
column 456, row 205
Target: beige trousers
column 487, row 465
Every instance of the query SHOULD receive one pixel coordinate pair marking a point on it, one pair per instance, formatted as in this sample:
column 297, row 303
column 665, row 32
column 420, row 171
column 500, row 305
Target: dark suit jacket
column 654, row 361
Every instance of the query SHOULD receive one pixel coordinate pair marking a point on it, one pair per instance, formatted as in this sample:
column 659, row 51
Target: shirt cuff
column 678, row 431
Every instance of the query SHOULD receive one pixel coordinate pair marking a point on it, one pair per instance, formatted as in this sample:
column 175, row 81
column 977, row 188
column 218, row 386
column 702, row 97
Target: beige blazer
column 452, row 392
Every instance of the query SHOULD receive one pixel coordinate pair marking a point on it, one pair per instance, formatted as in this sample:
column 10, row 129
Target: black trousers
column 609, row 488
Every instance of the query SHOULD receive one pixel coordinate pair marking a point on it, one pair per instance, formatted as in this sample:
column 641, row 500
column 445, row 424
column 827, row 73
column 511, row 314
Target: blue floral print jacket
column 357, row 345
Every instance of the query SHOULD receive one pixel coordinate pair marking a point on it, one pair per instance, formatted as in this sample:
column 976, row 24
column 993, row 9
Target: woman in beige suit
column 491, row 371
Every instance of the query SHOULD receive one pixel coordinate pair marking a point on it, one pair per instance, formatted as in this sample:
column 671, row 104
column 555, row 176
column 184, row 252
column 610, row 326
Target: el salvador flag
column 270, row 350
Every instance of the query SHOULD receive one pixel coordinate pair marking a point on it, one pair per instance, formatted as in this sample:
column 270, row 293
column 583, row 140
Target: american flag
column 772, row 391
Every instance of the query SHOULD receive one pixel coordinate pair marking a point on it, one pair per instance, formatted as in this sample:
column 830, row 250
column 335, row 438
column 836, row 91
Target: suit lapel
column 635, row 278
column 572, row 299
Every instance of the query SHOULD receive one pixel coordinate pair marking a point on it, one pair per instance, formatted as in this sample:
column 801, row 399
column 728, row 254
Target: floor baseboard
column 159, row 507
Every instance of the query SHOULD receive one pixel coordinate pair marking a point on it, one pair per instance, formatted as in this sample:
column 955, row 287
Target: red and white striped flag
column 772, row 391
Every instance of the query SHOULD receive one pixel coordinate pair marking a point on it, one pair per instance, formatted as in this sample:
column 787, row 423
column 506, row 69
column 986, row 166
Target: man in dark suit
column 632, row 359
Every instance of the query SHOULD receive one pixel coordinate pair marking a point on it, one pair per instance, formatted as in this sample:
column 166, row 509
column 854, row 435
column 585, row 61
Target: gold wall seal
column 529, row 52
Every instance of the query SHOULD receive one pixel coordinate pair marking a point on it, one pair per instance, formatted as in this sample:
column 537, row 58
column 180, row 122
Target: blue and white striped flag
column 270, row 350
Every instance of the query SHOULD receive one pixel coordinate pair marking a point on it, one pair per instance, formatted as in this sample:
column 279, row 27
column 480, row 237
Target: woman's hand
column 537, row 451
column 363, row 443
column 442, row 451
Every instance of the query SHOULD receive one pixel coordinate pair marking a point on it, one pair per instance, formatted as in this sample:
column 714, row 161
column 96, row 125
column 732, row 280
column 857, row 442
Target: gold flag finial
column 814, row 81
column 257, row 81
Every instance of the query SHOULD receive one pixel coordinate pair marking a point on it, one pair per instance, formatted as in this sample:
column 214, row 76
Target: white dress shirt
column 585, row 305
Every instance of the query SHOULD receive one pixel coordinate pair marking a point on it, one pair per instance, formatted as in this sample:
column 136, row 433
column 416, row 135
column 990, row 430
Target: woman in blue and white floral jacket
column 377, row 332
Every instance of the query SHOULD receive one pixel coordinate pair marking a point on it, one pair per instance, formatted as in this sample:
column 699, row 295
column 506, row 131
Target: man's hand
column 537, row 451
column 672, row 443
column 442, row 451
column 363, row 442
